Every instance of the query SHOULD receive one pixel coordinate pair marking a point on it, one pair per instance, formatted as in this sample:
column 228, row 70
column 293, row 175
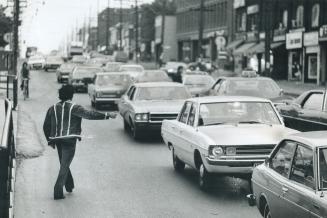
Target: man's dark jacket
column 63, row 120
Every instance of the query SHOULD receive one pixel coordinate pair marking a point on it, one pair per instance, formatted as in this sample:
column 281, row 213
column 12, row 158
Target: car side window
column 131, row 97
column 314, row 102
column 222, row 88
column 191, row 117
column 217, row 86
column 185, row 112
column 130, row 91
column 302, row 168
column 282, row 160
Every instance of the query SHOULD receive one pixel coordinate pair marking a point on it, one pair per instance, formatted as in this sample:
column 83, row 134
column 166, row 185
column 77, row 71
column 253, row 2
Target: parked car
column 171, row 68
column 307, row 112
column 120, row 56
column 146, row 105
column 262, row 87
column 52, row 63
column 112, row 66
column 108, row 88
column 63, row 72
column 153, row 76
column 36, row 62
column 223, row 135
column 293, row 180
column 78, row 59
column 81, row 76
column 198, row 85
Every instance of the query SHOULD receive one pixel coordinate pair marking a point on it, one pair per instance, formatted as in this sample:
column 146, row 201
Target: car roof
column 312, row 139
column 112, row 73
column 246, row 78
column 217, row 99
column 131, row 65
column 156, row 84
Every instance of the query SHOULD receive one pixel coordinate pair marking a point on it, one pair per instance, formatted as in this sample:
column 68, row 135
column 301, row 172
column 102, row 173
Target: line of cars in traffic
column 240, row 126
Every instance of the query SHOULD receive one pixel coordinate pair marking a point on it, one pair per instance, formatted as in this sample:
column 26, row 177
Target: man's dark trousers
column 66, row 151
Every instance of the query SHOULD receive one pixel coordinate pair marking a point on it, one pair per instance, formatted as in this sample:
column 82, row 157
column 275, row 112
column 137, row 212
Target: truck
column 75, row 48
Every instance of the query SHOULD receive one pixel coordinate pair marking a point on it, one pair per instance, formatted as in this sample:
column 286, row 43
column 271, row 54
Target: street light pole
column 136, row 32
column 201, row 27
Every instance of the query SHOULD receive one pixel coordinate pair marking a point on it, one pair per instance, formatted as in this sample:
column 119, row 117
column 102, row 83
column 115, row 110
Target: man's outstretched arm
column 91, row 115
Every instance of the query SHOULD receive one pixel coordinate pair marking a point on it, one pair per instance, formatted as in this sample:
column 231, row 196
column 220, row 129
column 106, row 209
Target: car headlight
column 170, row 70
column 216, row 151
column 142, row 117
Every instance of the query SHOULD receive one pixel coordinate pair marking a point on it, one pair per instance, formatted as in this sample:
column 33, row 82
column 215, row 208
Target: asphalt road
column 114, row 175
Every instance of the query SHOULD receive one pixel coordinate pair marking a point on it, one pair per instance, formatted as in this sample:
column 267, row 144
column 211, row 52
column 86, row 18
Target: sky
column 47, row 23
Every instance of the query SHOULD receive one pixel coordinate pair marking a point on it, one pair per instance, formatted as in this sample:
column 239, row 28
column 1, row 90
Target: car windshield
column 323, row 168
column 154, row 76
column 78, row 59
column 66, row 67
column 113, row 80
column 199, row 81
column 237, row 113
column 253, row 87
column 85, row 72
column 131, row 69
column 162, row 93
column 112, row 67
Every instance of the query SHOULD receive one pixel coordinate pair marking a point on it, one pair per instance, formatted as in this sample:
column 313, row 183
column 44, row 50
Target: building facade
column 217, row 21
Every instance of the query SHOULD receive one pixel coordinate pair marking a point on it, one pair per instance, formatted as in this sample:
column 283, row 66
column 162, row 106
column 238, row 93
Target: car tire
column 135, row 132
column 266, row 211
column 179, row 165
column 204, row 178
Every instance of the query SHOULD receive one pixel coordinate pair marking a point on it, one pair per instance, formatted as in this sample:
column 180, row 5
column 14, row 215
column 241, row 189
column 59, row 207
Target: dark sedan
column 307, row 112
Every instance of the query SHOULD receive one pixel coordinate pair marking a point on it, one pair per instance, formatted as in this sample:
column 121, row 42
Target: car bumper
column 232, row 166
column 148, row 126
column 107, row 100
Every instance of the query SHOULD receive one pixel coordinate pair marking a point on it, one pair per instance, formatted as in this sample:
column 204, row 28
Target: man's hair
column 66, row 92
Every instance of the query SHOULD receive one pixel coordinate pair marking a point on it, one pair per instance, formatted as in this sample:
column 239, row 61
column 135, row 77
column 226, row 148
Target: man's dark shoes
column 68, row 189
column 59, row 197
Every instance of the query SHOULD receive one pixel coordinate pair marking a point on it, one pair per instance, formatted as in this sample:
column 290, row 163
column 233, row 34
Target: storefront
column 280, row 56
column 323, row 52
column 312, row 57
column 294, row 45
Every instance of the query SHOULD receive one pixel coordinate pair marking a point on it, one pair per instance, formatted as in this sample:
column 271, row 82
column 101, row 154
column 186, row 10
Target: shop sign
column 239, row 3
column 311, row 39
column 252, row 9
column 294, row 40
column 323, row 33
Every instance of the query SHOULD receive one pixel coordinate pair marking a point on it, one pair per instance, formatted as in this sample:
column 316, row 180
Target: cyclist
column 25, row 74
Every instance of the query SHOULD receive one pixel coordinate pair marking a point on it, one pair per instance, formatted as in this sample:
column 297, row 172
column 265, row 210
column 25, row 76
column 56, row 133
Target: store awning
column 257, row 49
column 234, row 44
column 243, row 48
column 275, row 45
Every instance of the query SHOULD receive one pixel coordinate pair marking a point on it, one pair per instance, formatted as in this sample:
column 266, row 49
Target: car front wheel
column 266, row 212
column 126, row 126
column 135, row 132
column 179, row 165
column 204, row 178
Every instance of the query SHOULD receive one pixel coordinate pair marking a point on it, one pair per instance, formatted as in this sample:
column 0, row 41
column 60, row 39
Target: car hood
column 198, row 90
column 245, row 134
column 111, row 89
column 167, row 106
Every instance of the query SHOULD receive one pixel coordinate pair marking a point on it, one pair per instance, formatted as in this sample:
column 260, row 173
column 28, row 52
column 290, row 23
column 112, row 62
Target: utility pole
column 121, row 26
column 107, row 25
column 201, row 27
column 15, row 48
column 136, row 32
column 163, row 24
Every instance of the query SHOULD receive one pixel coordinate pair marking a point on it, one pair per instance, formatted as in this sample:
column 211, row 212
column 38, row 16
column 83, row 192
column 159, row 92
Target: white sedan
column 223, row 135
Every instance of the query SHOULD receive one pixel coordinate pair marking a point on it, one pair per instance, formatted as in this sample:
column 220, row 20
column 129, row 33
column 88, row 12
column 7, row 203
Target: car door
column 298, row 191
column 215, row 87
column 180, row 148
column 188, row 135
column 277, row 174
column 310, row 113
column 222, row 88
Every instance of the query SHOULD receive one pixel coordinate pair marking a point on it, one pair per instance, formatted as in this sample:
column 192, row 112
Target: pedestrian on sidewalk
column 62, row 128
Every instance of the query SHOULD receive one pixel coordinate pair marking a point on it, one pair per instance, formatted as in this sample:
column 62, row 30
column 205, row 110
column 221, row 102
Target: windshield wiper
column 254, row 122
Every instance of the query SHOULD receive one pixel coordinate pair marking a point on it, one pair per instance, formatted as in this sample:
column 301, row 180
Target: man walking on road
column 62, row 128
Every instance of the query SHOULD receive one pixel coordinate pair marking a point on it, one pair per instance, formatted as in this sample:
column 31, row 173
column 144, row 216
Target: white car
column 36, row 62
column 223, row 135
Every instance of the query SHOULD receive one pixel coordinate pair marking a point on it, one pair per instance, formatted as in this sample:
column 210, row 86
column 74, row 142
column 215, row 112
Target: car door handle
column 284, row 189
column 316, row 207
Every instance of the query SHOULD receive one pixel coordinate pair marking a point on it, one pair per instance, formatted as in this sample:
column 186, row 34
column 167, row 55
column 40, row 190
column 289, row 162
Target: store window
column 312, row 65
column 315, row 15
column 299, row 16
column 252, row 22
column 241, row 21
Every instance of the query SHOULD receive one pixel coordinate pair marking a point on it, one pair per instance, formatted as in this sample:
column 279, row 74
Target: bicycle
column 25, row 88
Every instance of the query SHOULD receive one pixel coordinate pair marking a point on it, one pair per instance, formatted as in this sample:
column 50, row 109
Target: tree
column 5, row 26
